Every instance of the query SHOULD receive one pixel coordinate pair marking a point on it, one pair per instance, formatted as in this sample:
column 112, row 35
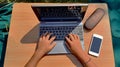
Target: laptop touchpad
column 59, row 48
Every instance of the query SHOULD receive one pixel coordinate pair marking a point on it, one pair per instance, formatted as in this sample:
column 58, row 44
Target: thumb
column 52, row 45
column 67, row 45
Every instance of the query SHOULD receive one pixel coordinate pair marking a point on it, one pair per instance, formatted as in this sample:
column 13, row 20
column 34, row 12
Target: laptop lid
column 53, row 13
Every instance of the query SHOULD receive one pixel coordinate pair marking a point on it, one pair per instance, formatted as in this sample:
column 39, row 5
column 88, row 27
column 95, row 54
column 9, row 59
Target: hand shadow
column 32, row 36
column 74, row 60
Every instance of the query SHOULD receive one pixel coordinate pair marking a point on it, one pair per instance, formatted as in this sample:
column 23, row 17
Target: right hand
column 73, row 43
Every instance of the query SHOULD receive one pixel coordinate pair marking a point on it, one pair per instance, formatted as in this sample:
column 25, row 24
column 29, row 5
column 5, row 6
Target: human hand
column 73, row 43
column 45, row 44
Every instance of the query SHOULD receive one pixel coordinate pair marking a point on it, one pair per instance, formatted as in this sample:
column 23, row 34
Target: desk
column 24, row 31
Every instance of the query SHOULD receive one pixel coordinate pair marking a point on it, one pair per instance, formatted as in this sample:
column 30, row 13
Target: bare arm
column 73, row 43
column 44, row 45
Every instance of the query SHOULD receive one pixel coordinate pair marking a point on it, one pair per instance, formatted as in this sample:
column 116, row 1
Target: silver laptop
column 61, row 20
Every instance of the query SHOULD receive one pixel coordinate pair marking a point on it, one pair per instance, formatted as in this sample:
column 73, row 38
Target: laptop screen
column 59, row 13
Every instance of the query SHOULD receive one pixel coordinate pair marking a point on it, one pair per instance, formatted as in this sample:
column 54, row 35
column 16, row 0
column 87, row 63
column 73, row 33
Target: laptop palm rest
column 60, row 48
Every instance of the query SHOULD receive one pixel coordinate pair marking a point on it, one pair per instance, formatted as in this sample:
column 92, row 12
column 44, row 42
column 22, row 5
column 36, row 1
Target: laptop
column 60, row 21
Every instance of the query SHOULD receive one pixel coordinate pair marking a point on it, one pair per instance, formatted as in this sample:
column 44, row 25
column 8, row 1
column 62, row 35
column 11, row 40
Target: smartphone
column 96, row 44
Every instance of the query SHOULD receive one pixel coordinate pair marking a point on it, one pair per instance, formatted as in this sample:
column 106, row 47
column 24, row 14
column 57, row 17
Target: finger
column 68, row 46
column 52, row 39
column 52, row 45
column 77, row 36
column 40, row 38
column 44, row 35
column 74, row 35
column 41, row 35
column 48, row 36
column 71, row 36
column 68, row 40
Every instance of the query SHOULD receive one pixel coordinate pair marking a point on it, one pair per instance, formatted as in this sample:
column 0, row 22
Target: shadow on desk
column 71, row 57
column 32, row 36
column 74, row 60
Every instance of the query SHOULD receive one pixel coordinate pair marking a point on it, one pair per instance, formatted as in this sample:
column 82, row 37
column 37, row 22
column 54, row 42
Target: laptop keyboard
column 61, row 31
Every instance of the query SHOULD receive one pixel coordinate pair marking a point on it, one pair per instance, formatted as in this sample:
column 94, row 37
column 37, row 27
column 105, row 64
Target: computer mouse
column 94, row 18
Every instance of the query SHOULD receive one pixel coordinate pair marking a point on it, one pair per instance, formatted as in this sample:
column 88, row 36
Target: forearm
column 44, row 45
column 34, row 59
column 86, row 60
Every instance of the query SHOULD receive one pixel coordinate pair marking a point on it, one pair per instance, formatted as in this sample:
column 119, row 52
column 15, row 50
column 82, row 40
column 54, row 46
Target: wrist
column 83, row 56
column 79, row 52
column 39, row 54
column 34, row 59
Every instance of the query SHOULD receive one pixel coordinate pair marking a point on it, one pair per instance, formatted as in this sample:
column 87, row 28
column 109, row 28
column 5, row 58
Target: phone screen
column 95, row 46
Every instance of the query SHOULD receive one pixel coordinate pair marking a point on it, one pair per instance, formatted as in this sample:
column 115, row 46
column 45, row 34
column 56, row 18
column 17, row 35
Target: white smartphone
column 96, row 44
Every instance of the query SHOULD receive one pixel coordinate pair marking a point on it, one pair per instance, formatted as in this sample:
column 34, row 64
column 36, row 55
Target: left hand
column 45, row 44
